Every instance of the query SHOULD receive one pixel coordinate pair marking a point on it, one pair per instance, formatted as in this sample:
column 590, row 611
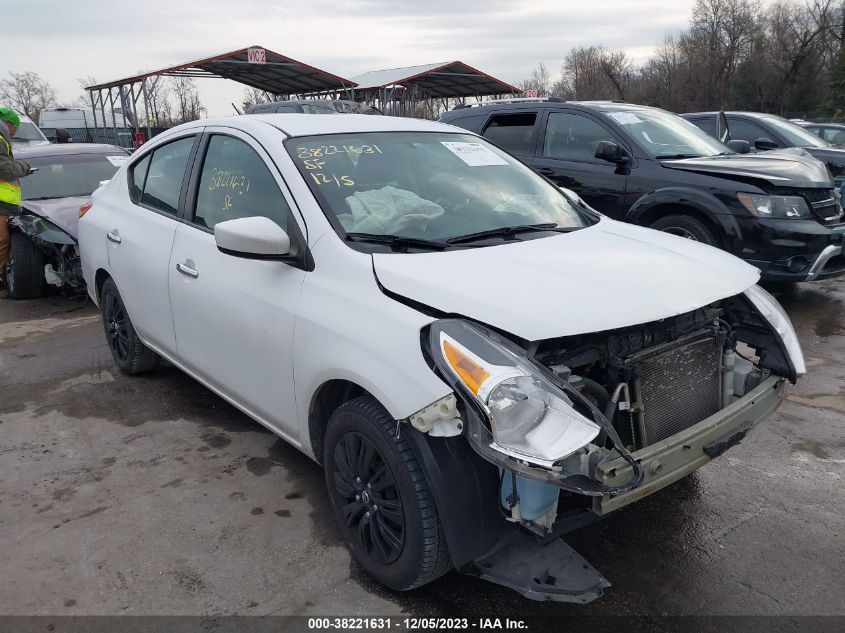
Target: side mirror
column 252, row 238
column 62, row 135
column 764, row 144
column 739, row 146
column 611, row 152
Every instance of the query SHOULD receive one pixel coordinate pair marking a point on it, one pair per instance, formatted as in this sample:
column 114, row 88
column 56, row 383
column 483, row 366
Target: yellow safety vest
column 10, row 192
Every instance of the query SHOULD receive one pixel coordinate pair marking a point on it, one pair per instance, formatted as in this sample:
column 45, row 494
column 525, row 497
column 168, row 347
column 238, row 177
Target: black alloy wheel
column 381, row 498
column 126, row 347
column 117, row 331
column 373, row 509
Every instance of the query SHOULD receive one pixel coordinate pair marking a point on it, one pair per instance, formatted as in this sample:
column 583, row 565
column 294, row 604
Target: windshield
column 28, row 132
column 666, row 135
column 795, row 134
column 66, row 176
column 426, row 186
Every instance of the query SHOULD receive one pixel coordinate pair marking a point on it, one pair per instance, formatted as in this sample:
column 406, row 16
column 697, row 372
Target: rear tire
column 688, row 227
column 130, row 354
column 381, row 498
column 25, row 268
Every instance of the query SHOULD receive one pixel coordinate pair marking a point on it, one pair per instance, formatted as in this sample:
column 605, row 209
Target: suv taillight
column 84, row 209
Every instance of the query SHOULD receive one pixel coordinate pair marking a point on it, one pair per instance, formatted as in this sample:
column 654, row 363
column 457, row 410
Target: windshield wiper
column 397, row 241
column 506, row 231
column 667, row 156
column 46, row 198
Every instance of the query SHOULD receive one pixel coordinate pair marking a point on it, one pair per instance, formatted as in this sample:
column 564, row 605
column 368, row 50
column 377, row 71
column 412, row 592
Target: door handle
column 545, row 171
column 113, row 237
column 187, row 270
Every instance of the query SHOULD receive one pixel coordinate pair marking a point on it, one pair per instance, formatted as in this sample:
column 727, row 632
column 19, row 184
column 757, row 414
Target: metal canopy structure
column 254, row 66
column 401, row 90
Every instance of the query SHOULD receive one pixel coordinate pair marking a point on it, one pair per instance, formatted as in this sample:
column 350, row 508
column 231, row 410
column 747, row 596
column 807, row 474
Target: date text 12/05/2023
column 314, row 160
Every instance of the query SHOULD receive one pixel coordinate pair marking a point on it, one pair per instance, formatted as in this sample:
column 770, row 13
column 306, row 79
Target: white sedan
column 477, row 358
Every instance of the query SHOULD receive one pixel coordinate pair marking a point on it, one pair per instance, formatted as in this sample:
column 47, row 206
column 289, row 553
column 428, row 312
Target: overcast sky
column 63, row 40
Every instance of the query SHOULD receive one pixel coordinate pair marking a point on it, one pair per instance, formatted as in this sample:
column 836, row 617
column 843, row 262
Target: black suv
column 765, row 132
column 778, row 211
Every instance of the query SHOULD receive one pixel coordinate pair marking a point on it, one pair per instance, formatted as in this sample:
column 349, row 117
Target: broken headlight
column 774, row 313
column 530, row 417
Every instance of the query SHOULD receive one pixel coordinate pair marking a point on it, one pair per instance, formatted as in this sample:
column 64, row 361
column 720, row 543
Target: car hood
column 607, row 276
column 63, row 212
column 827, row 155
column 778, row 168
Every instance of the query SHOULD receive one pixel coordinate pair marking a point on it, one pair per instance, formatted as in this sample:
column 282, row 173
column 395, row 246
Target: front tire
column 381, row 498
column 688, row 227
column 127, row 349
column 25, row 268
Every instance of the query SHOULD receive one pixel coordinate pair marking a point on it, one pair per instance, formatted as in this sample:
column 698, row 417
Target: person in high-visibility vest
column 10, row 187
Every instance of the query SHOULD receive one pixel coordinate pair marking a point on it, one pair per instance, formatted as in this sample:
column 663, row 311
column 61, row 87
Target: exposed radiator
column 677, row 385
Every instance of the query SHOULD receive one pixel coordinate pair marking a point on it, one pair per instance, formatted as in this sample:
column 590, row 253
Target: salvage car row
column 779, row 210
column 480, row 354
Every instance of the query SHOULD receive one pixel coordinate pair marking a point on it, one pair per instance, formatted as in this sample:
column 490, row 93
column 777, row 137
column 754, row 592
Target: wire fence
column 120, row 136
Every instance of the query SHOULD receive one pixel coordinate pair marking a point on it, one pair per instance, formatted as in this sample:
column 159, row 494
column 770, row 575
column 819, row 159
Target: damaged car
column 43, row 248
column 480, row 361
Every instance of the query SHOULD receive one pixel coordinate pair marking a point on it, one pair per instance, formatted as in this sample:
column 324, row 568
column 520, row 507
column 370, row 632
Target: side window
column 287, row 108
column 573, row 137
column 471, row 123
column 317, row 108
column 747, row 131
column 165, row 173
column 139, row 176
column 236, row 183
column 514, row 132
column 707, row 124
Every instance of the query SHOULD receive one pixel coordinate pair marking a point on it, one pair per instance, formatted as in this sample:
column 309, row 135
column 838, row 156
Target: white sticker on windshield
column 474, row 154
column 117, row 161
column 625, row 118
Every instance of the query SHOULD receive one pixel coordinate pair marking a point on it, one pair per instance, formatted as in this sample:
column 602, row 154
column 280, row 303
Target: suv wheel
column 130, row 354
column 25, row 268
column 381, row 498
column 688, row 227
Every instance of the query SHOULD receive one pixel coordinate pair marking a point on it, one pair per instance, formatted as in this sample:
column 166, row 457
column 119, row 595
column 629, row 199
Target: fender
column 466, row 491
column 702, row 201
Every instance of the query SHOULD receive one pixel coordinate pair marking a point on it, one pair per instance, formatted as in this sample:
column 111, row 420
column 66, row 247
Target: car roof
column 64, row 149
column 295, row 124
column 755, row 115
column 602, row 106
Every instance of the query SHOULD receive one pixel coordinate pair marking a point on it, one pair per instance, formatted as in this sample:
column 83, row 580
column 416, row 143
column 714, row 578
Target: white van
column 81, row 118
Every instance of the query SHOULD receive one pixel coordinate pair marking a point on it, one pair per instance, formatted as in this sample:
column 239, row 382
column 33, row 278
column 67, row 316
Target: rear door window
column 516, row 132
column 574, row 137
column 158, row 185
column 747, row 131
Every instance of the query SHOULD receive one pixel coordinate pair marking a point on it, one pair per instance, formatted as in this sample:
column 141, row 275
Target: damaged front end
column 583, row 425
column 63, row 268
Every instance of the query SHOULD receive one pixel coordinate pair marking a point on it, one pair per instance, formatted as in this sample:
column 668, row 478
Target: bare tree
column 159, row 107
column 187, row 101
column 540, row 80
column 84, row 98
column 27, row 92
column 594, row 72
column 253, row 96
